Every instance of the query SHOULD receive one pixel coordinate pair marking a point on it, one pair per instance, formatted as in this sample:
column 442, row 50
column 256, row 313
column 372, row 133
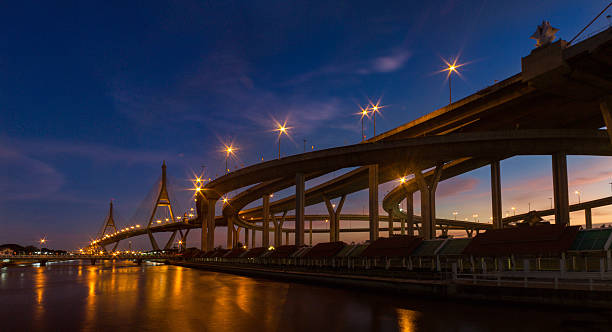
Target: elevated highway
column 555, row 106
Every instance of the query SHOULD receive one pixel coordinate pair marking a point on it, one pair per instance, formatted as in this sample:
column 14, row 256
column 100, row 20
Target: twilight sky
column 94, row 95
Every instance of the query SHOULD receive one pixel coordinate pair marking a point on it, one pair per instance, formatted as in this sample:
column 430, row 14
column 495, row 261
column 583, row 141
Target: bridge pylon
column 163, row 200
column 109, row 227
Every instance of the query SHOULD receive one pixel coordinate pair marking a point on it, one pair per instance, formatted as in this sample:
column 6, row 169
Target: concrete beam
column 300, row 204
column 496, row 202
column 373, row 200
column 606, row 112
column 560, row 189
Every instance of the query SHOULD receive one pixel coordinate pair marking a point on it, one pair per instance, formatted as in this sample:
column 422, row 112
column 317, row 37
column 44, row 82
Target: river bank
column 440, row 289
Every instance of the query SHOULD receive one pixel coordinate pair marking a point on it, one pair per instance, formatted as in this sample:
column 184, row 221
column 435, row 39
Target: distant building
column 7, row 252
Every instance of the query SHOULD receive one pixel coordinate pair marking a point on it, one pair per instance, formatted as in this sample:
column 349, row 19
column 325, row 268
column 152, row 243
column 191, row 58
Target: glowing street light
column 450, row 68
column 364, row 113
column 375, row 109
column 455, row 213
column 42, row 241
column 282, row 129
column 229, row 150
column 578, row 193
column 513, row 211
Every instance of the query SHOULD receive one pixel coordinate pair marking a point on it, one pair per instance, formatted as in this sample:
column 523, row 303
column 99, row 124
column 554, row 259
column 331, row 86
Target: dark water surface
column 124, row 297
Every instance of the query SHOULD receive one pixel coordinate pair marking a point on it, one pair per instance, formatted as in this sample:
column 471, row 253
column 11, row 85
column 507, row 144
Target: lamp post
column 229, row 150
column 514, row 211
column 282, row 129
column 42, row 241
column 450, row 68
column 578, row 193
column 455, row 213
column 375, row 108
column 364, row 113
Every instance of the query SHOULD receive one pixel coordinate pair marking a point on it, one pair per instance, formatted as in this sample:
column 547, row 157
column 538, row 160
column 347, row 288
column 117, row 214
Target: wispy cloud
column 219, row 94
column 393, row 61
column 24, row 177
column 387, row 63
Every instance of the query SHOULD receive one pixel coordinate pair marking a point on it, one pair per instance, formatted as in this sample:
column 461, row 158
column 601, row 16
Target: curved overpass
column 553, row 107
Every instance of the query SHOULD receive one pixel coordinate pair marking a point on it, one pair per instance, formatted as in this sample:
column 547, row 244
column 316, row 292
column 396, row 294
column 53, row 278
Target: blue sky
column 94, row 95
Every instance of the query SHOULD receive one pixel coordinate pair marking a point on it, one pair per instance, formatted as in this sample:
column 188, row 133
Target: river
column 121, row 296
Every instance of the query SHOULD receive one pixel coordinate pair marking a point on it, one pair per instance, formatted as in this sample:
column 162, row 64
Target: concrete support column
column 253, row 238
column 560, row 191
column 588, row 218
column 427, row 187
column 310, row 232
column 496, row 202
column 210, row 221
column 170, row 241
column 236, row 237
column 278, row 229
column 265, row 237
column 230, row 233
column 184, row 238
column 152, row 239
column 410, row 213
column 203, row 215
column 334, row 218
column 246, row 237
column 300, row 202
column 287, row 238
column 390, row 221
column 373, row 201
column 606, row 112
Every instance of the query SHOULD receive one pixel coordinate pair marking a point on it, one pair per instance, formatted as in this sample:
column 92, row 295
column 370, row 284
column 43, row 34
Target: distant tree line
column 28, row 250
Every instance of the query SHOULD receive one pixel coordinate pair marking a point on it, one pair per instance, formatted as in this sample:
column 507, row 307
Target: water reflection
column 124, row 296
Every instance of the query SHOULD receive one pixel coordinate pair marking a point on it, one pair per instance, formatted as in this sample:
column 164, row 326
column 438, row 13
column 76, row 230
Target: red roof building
column 324, row 250
column 523, row 240
column 395, row 246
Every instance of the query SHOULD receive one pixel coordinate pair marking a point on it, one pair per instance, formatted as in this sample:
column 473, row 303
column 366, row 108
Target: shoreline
column 438, row 289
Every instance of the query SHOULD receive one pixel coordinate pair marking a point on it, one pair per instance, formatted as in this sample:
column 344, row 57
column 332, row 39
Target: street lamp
column 450, row 68
column 578, row 193
column 455, row 213
column 514, row 211
column 42, row 241
column 364, row 113
column 229, row 149
column 282, row 129
column 375, row 109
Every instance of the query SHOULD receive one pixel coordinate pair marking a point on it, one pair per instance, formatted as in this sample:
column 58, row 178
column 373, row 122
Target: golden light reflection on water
column 122, row 295
column 40, row 280
column 406, row 320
